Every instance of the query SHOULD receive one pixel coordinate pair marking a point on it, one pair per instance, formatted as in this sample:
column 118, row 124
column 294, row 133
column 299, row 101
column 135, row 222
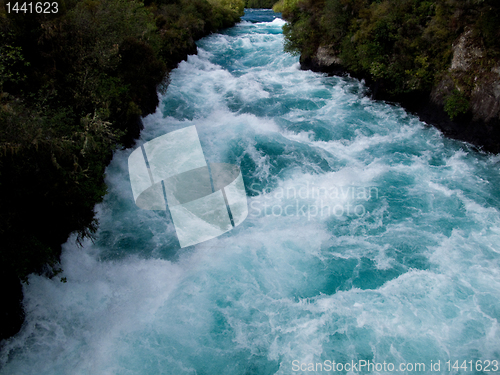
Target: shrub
column 455, row 104
column 73, row 86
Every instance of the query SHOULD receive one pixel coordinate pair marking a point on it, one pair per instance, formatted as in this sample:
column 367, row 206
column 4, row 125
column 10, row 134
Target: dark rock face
column 323, row 61
column 484, row 135
column 485, row 101
column 479, row 126
column 12, row 313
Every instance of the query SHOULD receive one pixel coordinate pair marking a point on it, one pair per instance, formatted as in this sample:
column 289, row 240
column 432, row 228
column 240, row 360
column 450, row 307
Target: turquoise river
column 370, row 239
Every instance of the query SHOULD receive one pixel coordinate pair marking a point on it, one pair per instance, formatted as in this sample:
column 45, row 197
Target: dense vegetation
column 73, row 86
column 259, row 4
column 405, row 46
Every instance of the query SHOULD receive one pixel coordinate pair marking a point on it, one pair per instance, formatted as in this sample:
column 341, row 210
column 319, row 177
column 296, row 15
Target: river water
column 370, row 237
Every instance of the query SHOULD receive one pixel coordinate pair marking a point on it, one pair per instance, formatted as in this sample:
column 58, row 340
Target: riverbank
column 484, row 135
column 439, row 60
column 74, row 84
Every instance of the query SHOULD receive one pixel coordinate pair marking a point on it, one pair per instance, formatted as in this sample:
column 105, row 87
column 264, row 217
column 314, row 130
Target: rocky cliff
column 479, row 123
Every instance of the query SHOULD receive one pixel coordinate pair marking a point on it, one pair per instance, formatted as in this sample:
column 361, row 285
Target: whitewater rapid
column 370, row 237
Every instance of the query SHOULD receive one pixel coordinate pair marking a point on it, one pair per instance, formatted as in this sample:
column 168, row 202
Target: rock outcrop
column 468, row 76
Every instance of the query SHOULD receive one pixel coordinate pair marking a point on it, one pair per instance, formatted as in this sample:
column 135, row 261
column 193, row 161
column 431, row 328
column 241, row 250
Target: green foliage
column 52, row 175
column 456, row 103
column 73, row 86
column 302, row 32
column 388, row 45
column 278, row 7
column 10, row 57
column 181, row 22
column 259, row 4
column 487, row 24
